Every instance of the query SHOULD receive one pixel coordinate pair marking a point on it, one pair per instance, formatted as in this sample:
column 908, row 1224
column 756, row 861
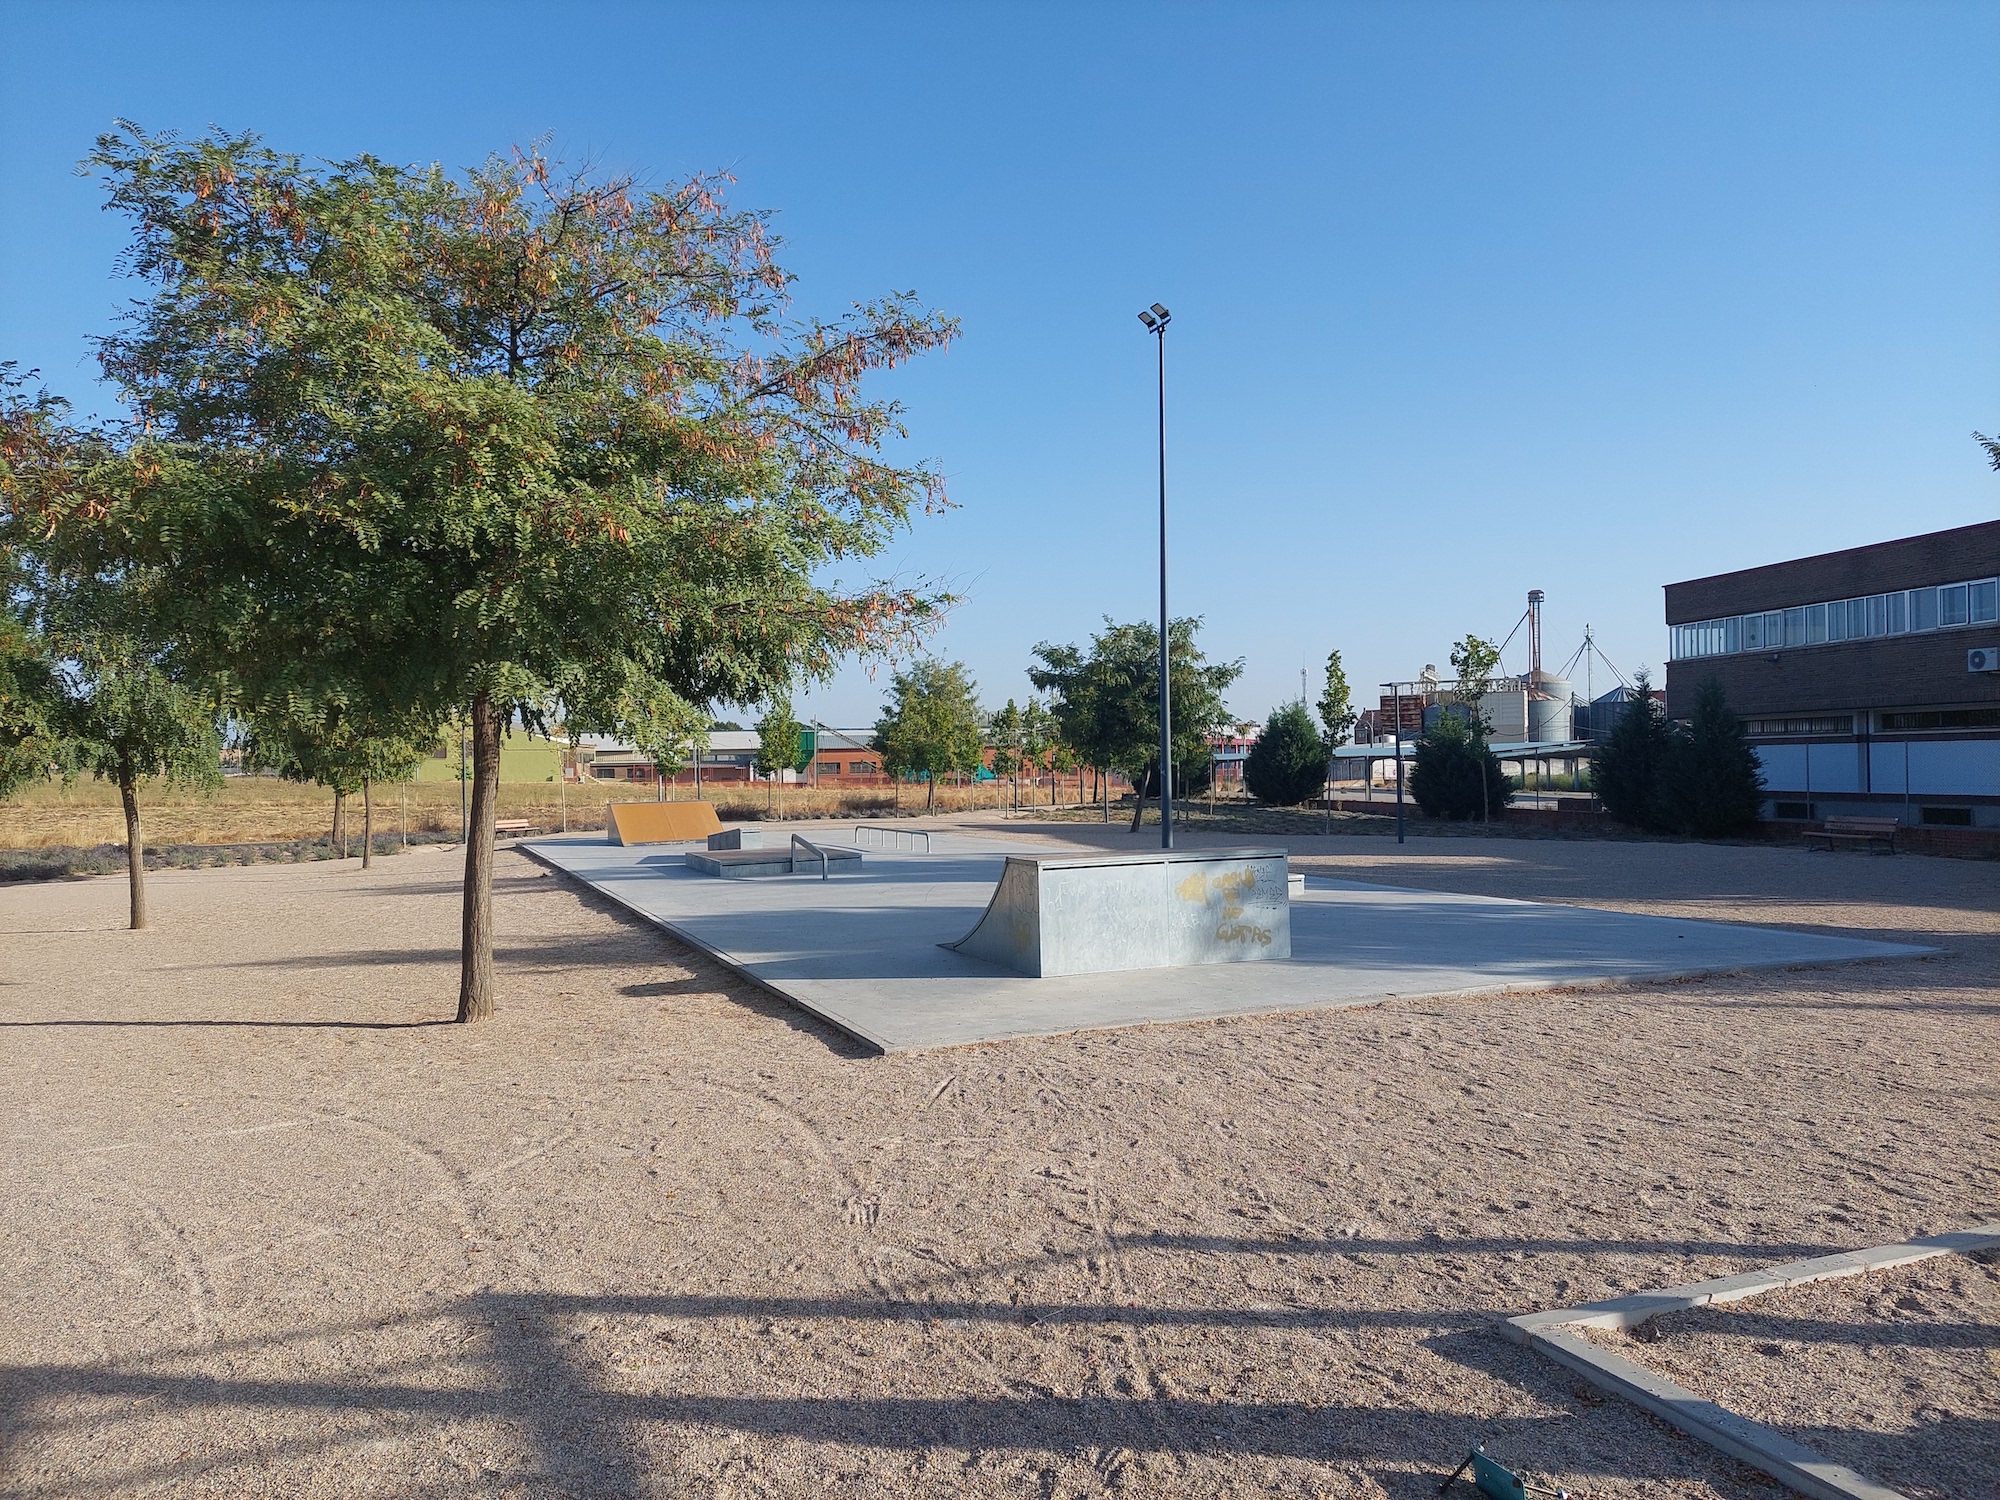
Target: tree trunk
column 475, row 959
column 339, row 839
column 930, row 792
column 135, row 849
column 367, row 823
column 1138, row 800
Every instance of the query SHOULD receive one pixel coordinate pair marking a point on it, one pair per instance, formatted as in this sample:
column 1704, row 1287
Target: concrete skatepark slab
column 863, row 951
column 1106, row 911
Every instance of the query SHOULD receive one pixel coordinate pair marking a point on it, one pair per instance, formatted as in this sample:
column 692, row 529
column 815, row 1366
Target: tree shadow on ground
column 590, row 1429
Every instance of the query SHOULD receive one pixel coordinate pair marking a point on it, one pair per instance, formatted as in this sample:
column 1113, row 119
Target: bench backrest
column 659, row 822
column 1863, row 825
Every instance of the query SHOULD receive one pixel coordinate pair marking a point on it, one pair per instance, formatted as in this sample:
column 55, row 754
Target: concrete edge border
column 1554, row 1333
column 847, row 1028
column 856, row 1032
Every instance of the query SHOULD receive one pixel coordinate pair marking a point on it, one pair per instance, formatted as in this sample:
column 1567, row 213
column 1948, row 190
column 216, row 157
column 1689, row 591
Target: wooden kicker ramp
column 659, row 822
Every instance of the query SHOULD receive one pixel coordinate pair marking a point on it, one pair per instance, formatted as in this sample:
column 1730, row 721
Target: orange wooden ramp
column 659, row 822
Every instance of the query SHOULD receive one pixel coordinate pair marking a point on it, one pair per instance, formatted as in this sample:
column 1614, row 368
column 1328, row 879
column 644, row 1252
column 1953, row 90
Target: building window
column 1821, row 724
column 1923, row 609
column 1945, row 817
column 1949, row 718
column 1952, row 605
column 829, row 768
column 1794, row 627
column 1815, row 624
column 861, row 768
column 1985, row 598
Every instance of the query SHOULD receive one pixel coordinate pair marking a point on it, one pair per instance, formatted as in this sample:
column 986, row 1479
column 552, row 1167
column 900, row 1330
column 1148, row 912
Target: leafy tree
column 930, row 726
column 780, row 740
column 1709, row 781
column 1107, row 702
column 330, row 748
column 122, row 719
column 1041, row 740
column 85, row 684
column 417, row 440
column 1476, row 663
column 29, row 690
column 1062, row 757
column 33, row 433
column 1006, row 731
column 1455, row 775
column 1336, row 706
column 1625, row 768
column 1287, row 765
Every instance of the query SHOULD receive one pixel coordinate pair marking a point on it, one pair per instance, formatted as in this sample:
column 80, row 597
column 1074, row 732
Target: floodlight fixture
column 1149, row 320
column 1161, row 313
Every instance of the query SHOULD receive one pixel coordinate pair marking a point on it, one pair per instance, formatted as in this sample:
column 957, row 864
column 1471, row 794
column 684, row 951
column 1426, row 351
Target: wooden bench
column 1865, row 831
column 511, row 825
column 659, row 822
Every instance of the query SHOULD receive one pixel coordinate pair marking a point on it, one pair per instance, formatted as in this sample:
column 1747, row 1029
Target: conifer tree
column 1287, row 765
column 1710, row 782
column 1625, row 766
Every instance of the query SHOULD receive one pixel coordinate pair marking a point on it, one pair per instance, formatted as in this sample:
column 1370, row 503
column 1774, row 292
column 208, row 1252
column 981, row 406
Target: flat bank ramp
column 1055, row 914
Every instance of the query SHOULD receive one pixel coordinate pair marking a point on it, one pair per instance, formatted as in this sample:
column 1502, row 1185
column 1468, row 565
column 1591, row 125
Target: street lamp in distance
column 1156, row 318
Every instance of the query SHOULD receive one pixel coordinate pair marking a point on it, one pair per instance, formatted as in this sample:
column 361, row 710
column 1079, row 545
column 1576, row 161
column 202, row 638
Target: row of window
column 1885, row 723
column 1900, row 613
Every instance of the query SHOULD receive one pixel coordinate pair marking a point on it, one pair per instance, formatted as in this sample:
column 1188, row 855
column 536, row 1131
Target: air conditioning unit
column 1983, row 659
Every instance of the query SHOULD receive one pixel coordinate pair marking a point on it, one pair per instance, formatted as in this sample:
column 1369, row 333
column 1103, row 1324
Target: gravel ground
column 1895, row 1375
column 271, row 1228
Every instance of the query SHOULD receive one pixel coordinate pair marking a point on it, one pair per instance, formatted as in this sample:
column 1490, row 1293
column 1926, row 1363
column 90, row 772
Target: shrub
column 1455, row 774
column 1287, row 765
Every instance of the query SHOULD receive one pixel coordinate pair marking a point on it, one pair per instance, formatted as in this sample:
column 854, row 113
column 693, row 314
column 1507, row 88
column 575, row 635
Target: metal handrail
column 798, row 841
column 912, row 834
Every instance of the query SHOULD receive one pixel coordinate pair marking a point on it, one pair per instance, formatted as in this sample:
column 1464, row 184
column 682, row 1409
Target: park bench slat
column 1866, row 831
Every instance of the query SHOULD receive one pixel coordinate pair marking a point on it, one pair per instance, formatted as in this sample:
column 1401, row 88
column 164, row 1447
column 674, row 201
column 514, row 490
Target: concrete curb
column 1797, row 1467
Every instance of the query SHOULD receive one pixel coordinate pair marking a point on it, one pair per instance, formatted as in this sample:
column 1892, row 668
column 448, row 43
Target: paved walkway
column 862, row 950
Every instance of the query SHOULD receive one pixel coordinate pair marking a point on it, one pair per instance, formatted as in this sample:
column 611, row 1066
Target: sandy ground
column 269, row 1228
column 1895, row 1375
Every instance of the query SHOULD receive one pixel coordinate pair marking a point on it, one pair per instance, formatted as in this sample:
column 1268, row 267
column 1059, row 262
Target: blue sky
column 1468, row 298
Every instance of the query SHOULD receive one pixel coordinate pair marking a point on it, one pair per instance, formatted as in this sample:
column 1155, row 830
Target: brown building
column 1869, row 680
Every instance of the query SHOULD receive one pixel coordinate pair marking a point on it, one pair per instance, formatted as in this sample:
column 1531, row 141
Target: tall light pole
column 1156, row 319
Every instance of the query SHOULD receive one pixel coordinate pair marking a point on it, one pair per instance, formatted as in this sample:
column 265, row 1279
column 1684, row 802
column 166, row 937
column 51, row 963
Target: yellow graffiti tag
column 1231, row 889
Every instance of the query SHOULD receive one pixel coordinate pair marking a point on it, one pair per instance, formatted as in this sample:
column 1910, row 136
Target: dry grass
column 254, row 809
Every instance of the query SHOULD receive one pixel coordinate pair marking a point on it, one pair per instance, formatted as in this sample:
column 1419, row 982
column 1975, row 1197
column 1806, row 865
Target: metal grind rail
column 863, row 830
column 800, row 841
